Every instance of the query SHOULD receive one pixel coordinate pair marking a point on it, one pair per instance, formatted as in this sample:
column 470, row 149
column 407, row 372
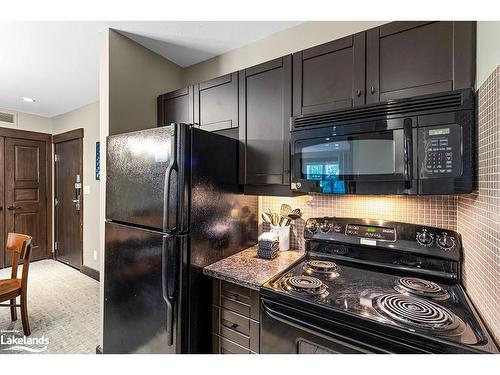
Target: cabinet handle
column 372, row 90
column 358, row 93
column 12, row 208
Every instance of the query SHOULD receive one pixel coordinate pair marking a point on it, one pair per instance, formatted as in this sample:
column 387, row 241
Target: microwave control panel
column 440, row 151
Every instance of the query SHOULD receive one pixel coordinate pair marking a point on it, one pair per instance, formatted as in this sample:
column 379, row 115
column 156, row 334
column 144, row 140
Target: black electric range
column 371, row 286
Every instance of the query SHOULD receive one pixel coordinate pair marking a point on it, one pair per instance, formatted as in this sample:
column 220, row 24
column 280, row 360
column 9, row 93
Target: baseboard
column 90, row 272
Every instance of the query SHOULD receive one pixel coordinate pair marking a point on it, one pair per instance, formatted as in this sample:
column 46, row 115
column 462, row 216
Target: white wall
column 86, row 117
column 103, row 133
column 136, row 77
column 488, row 49
column 305, row 35
column 27, row 121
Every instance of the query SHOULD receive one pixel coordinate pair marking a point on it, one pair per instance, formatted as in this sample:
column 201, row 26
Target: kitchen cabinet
column 176, row 106
column 405, row 59
column 265, row 101
column 216, row 103
column 235, row 319
column 329, row 76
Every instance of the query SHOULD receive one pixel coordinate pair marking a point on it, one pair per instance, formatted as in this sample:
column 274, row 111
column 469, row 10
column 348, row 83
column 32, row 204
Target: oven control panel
column 440, row 152
column 370, row 231
column 389, row 235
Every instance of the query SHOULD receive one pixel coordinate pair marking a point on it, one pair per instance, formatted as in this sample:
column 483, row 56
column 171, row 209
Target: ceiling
column 57, row 63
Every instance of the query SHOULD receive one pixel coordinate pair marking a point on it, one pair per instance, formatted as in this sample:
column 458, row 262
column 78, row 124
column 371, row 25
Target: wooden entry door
column 26, row 192
column 68, row 213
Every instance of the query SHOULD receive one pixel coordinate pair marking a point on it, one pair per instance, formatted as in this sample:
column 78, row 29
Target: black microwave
column 420, row 145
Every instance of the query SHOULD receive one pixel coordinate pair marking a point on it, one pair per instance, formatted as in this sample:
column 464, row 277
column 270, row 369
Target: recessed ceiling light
column 29, row 100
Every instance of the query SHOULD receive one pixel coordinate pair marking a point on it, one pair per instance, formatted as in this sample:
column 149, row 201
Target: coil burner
column 421, row 288
column 418, row 313
column 321, row 267
column 305, row 286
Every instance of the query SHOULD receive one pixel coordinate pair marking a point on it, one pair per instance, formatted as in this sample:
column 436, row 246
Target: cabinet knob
column 373, row 90
column 358, row 93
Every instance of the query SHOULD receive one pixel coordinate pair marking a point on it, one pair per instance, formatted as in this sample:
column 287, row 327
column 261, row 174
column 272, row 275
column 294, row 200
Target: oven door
column 375, row 157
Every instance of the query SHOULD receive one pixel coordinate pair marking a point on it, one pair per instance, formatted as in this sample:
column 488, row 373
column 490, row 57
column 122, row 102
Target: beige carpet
column 63, row 308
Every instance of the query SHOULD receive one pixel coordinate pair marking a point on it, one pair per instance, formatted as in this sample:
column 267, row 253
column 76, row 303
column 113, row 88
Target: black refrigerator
column 173, row 206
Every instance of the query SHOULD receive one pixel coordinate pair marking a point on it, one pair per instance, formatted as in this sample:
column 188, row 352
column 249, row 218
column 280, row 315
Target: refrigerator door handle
column 171, row 179
column 169, row 282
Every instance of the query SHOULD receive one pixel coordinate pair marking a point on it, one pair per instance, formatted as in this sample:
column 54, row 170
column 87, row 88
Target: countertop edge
column 234, row 280
column 246, row 269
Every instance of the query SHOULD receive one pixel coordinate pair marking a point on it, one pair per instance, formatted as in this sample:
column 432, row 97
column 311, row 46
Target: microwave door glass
column 362, row 157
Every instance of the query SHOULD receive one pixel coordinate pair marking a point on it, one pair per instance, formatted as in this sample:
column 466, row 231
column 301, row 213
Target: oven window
column 333, row 159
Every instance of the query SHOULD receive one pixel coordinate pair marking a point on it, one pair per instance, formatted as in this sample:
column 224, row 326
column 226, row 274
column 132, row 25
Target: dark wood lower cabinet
column 235, row 319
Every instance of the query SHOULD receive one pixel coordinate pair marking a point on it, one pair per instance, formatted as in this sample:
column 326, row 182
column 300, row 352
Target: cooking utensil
column 284, row 211
column 294, row 215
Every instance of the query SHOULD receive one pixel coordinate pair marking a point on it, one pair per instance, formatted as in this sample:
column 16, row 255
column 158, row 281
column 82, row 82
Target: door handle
column 408, row 152
column 169, row 282
column 13, row 208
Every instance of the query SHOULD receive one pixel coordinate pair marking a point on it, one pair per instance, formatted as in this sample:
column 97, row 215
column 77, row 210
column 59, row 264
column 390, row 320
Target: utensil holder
column 284, row 236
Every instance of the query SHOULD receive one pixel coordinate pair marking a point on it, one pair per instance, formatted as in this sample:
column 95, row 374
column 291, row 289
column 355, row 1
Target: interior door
column 25, row 192
column 68, row 205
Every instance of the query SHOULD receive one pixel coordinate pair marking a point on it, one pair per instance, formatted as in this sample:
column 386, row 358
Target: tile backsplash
column 438, row 211
column 479, row 213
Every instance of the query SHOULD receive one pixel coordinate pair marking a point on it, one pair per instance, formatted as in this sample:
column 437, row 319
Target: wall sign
column 98, row 161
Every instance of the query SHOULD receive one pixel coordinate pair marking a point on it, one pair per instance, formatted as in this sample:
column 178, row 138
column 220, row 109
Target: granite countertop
column 247, row 269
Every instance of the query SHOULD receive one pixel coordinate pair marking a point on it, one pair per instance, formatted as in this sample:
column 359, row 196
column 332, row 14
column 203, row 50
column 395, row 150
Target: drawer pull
column 234, row 326
column 236, row 296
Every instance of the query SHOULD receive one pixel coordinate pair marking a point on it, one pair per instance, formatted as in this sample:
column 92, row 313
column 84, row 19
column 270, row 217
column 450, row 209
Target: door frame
column 76, row 134
column 47, row 138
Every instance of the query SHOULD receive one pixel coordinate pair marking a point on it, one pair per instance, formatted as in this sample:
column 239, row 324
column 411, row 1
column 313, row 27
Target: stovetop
column 443, row 312
column 396, row 298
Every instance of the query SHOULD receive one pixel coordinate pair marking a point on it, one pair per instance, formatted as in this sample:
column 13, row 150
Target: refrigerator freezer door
column 141, row 291
column 142, row 177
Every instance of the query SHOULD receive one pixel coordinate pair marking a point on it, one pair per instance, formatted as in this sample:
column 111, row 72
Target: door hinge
column 56, row 246
column 56, row 158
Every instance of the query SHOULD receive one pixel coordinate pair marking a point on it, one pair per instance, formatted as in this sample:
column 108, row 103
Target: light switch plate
column 86, row 189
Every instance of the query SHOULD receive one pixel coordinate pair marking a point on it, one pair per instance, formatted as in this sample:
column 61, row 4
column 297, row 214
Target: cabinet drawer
column 235, row 336
column 229, row 347
column 233, row 305
column 235, row 292
column 237, row 322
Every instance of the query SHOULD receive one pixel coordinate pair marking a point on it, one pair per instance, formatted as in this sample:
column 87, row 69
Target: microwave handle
column 408, row 151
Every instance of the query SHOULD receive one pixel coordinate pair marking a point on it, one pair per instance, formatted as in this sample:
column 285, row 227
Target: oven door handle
column 408, row 151
column 308, row 327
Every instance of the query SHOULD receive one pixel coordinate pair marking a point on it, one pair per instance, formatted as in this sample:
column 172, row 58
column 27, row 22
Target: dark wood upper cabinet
column 329, row 76
column 406, row 59
column 265, row 109
column 176, row 106
column 216, row 103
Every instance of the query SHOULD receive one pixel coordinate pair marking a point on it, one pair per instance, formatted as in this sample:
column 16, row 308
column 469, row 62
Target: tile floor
column 63, row 308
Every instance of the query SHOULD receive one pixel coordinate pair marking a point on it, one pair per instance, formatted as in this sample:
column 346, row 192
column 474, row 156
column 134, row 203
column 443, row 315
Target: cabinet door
column 216, row 103
column 417, row 58
column 265, row 110
column 176, row 106
column 330, row 76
